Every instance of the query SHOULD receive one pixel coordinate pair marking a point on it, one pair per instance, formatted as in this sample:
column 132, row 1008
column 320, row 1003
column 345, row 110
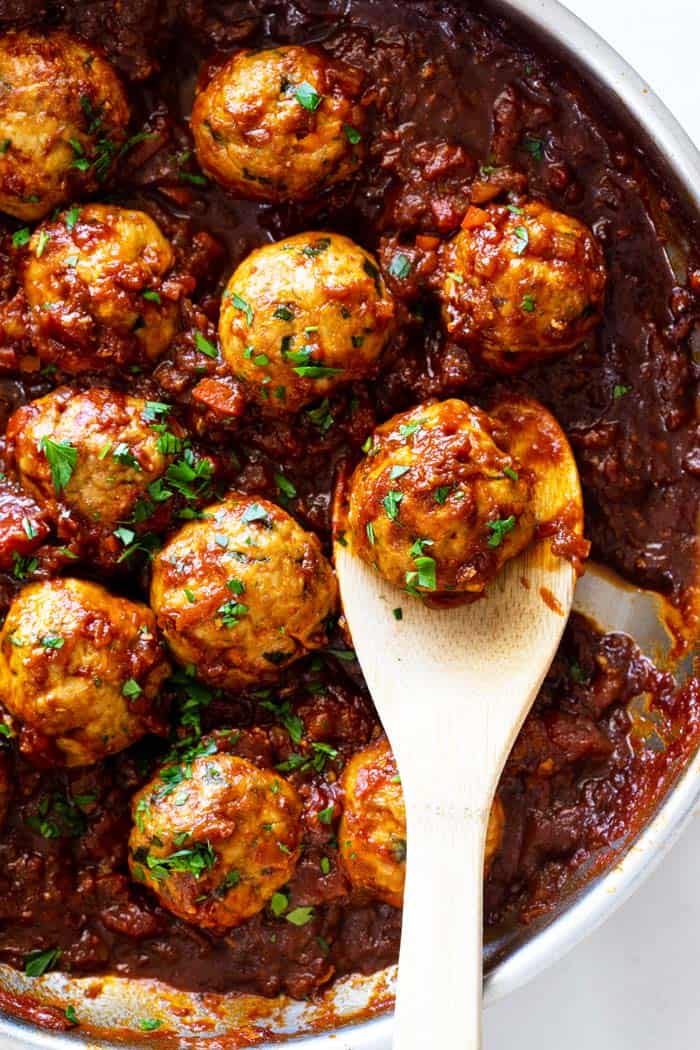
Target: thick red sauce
column 584, row 772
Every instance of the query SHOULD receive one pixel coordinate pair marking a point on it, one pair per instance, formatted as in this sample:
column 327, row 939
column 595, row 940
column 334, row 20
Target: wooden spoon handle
column 439, row 993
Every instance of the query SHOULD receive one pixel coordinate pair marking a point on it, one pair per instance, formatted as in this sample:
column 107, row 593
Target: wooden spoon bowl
column 452, row 688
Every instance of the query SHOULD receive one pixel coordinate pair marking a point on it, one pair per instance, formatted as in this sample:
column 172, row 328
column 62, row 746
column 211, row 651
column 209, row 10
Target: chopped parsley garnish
column 123, row 454
column 325, row 865
column 522, row 239
column 285, row 716
column 398, row 613
column 352, row 134
column 400, row 267
column 204, row 345
column 283, row 313
column 499, row 530
column 243, row 306
column 256, row 512
column 322, row 417
column 38, row 962
column 70, row 1014
column 62, row 458
column 441, row 493
column 407, row 430
column 131, row 689
column 325, row 816
column 317, row 371
column 423, row 576
column 42, row 241
column 153, row 297
column 154, row 410
column 21, row 237
column 620, row 391
column 321, row 244
column 300, row 916
column 279, row 903
column 5, row 145
column 231, row 613
column 149, row 1024
column 308, row 97
column 535, row 147
column 72, row 216
column 284, row 486
column 189, row 476
column 391, row 504
column 512, row 474
column 23, row 567
column 195, row 861
column 52, row 641
column 528, row 304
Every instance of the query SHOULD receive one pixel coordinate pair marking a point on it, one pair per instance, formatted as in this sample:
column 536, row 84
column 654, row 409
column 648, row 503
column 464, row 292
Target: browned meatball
column 304, row 316
column 436, row 505
column 98, row 455
column 372, row 832
column 242, row 593
column 63, row 119
column 215, row 847
column 522, row 283
column 281, row 124
column 81, row 669
column 96, row 280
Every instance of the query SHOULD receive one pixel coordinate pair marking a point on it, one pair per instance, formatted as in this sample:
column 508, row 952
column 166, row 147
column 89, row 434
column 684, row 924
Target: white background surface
column 635, row 984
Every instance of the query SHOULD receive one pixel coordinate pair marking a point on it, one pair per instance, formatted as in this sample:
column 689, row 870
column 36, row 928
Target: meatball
column 63, row 119
column 436, row 505
column 215, row 848
column 98, row 456
column 242, row 593
column 302, row 316
column 280, row 125
column 372, row 833
column 96, row 280
column 81, row 669
column 522, row 283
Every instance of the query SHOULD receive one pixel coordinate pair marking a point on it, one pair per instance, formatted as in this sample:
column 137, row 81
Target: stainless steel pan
column 114, row 1012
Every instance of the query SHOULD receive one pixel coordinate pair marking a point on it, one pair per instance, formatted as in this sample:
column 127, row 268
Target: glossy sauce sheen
column 585, row 770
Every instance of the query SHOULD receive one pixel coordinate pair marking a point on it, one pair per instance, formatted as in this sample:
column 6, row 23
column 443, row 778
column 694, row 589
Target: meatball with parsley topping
column 372, row 832
column 63, row 120
column 436, row 505
column 97, row 461
column 216, row 843
column 522, row 283
column 304, row 316
column 81, row 670
column 242, row 593
column 281, row 124
column 98, row 283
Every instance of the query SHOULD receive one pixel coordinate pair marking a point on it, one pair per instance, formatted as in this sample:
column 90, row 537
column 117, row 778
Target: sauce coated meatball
column 304, row 316
column 216, row 848
column 242, row 593
column 280, row 125
column 372, row 832
column 96, row 280
column 522, row 283
column 96, row 457
column 436, row 505
column 63, row 119
column 81, row 670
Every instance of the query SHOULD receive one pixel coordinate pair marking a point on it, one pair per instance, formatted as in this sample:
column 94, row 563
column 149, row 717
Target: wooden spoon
column 452, row 688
